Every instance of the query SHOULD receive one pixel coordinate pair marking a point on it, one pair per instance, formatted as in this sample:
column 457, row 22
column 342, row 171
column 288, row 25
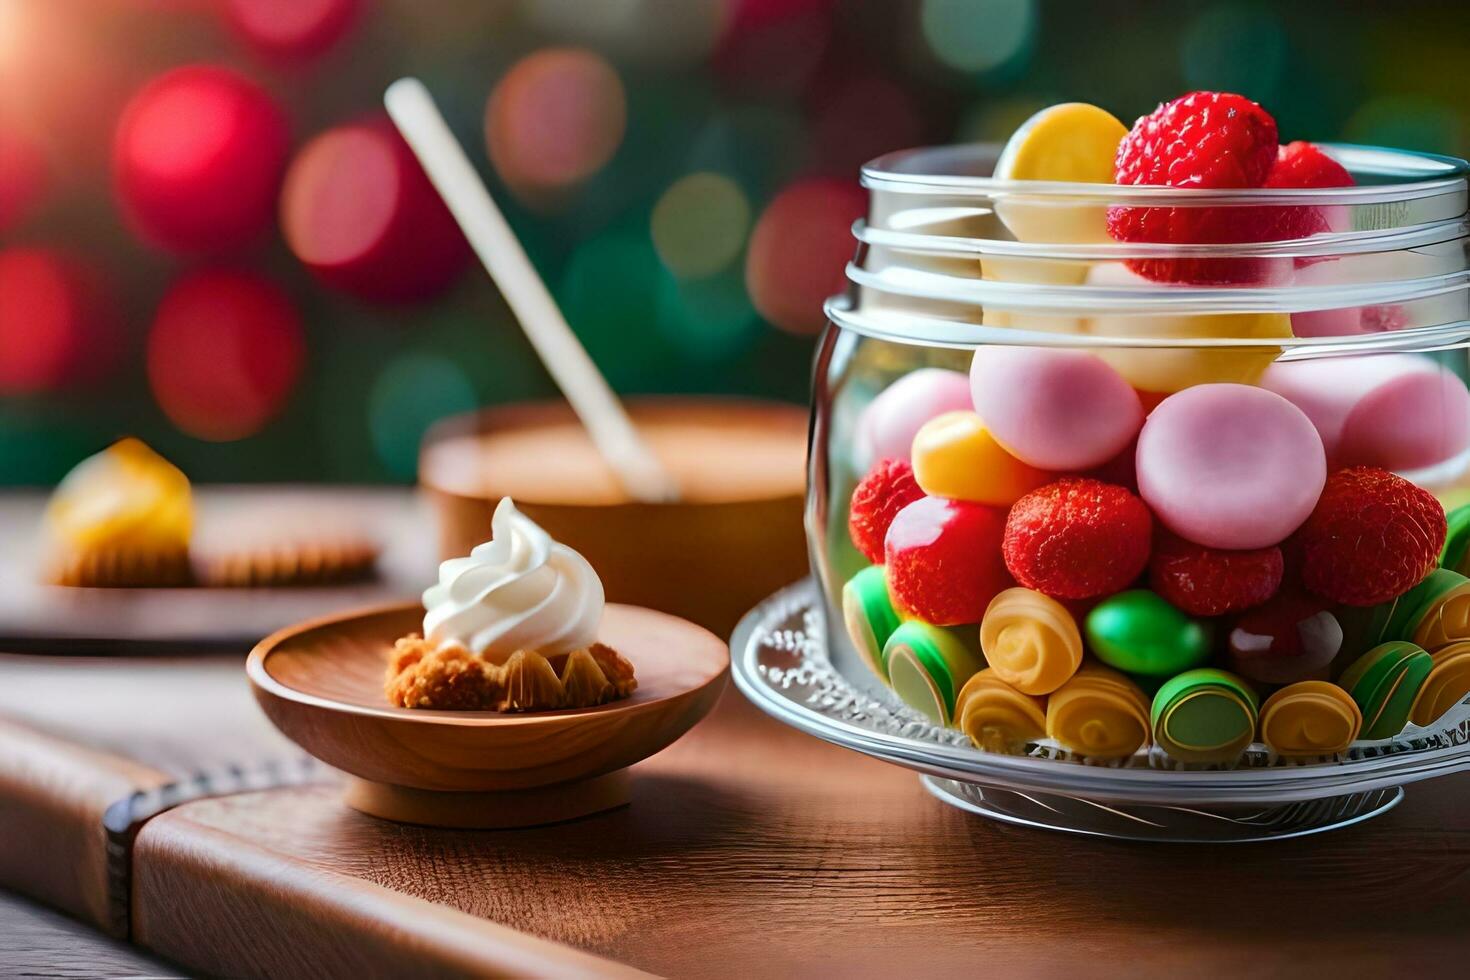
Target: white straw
column 419, row 120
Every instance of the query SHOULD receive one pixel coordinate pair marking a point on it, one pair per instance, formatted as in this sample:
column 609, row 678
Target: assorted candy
column 1182, row 550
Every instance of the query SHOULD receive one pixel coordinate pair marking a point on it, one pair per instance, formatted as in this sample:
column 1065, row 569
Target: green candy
column 1405, row 612
column 927, row 665
column 1139, row 633
column 1384, row 682
column 869, row 614
column 1457, row 541
column 1205, row 715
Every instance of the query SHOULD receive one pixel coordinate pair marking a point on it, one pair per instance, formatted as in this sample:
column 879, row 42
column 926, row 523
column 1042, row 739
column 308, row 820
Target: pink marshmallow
column 888, row 424
column 1230, row 466
column 1398, row 411
column 1052, row 408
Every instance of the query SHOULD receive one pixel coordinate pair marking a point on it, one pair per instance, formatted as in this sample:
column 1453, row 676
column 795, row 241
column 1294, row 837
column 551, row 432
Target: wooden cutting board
column 749, row 849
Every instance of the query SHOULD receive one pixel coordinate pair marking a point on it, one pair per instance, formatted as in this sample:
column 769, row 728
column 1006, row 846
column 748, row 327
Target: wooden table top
column 749, row 849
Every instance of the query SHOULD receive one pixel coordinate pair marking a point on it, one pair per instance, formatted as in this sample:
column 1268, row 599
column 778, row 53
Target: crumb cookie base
column 307, row 563
column 113, row 568
column 421, row 675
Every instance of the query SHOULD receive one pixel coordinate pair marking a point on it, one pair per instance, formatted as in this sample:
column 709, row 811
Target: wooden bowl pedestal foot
column 501, row 810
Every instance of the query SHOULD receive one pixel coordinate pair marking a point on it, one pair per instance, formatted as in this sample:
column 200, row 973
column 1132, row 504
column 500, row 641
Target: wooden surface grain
column 750, row 849
column 38, row 942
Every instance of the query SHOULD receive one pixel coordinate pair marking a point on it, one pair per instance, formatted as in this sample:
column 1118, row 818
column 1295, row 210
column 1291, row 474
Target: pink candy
column 1054, row 409
column 1230, row 466
column 887, row 426
column 1397, row 411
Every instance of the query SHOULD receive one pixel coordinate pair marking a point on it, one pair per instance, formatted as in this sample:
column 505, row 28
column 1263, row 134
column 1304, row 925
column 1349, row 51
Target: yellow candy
column 996, row 716
column 1075, row 143
column 1099, row 713
column 1030, row 641
column 1309, row 719
column 1164, row 371
column 1446, row 621
column 955, row 456
column 126, row 496
column 1446, row 686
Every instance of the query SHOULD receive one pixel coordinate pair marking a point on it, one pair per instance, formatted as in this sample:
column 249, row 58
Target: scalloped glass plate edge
column 780, row 661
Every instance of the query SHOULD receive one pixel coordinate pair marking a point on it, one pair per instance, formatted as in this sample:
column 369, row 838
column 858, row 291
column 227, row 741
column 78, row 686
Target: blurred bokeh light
column 211, row 238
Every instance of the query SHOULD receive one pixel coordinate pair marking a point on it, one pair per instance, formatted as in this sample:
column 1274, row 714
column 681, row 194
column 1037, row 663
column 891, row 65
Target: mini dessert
column 1310, row 719
column 511, row 627
column 1030, row 641
column 1446, row 686
column 996, row 716
column 120, row 518
column 1099, row 713
column 1385, row 682
column 1139, row 633
column 927, row 666
column 1204, row 715
column 869, row 614
column 281, row 545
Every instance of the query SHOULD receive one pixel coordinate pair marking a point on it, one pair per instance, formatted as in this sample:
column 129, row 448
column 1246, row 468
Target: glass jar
column 1222, row 385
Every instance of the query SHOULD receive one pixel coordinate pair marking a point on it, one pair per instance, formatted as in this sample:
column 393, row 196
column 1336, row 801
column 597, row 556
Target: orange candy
column 955, row 456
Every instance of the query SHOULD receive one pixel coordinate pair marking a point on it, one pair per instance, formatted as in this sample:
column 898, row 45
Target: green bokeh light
column 412, row 393
column 1235, row 47
column 978, row 36
column 699, row 224
column 709, row 320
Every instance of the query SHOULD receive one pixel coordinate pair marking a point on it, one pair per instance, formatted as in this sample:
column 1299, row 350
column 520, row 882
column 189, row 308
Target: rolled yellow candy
column 996, row 716
column 1446, row 621
column 1309, row 719
column 1030, row 640
column 1446, row 686
column 1099, row 713
column 955, row 456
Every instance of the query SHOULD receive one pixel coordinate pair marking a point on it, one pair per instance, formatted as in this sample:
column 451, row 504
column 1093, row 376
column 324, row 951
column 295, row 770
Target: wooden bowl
column 734, row 538
column 321, row 684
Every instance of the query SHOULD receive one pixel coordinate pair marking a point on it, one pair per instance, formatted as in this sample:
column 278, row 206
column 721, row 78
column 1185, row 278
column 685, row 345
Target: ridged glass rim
column 1247, row 785
column 1412, row 175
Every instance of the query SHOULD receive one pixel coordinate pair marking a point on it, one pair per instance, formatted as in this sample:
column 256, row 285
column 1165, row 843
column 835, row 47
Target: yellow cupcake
column 120, row 518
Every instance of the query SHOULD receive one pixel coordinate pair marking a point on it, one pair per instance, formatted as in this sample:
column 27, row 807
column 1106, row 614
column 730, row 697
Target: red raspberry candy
column 1372, row 536
column 943, row 559
column 1302, row 164
column 1213, row 581
column 1077, row 538
column 1204, row 140
column 888, row 488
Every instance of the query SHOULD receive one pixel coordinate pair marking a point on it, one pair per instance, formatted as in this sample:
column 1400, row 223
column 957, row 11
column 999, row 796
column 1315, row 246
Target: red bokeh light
column 57, row 323
column 359, row 211
column 772, row 47
column 24, row 177
column 857, row 119
column 198, row 158
column 554, row 119
column 292, row 30
column 224, row 351
column 799, row 250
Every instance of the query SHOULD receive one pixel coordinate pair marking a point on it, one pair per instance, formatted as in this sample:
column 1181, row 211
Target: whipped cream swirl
column 521, row 590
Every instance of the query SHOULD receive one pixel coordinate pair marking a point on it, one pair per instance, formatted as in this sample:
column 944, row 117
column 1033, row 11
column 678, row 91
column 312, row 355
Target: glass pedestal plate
column 781, row 660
